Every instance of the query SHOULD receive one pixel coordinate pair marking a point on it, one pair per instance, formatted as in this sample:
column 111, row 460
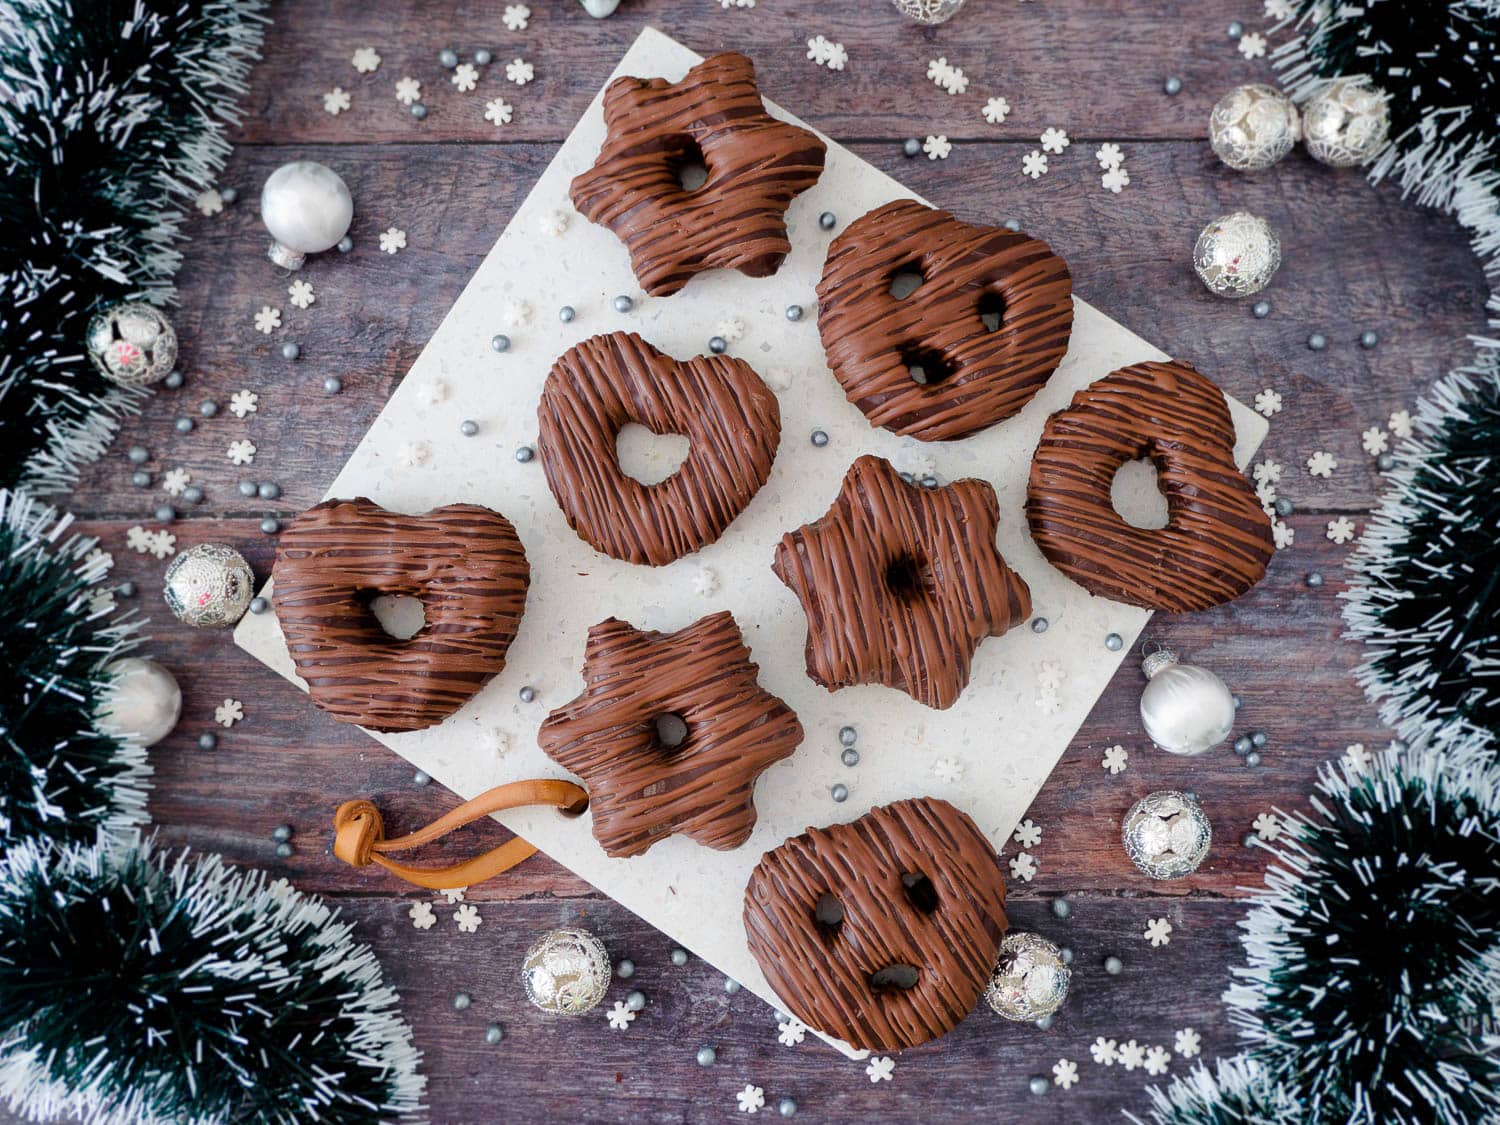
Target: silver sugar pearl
column 1065, row 954
column 1385, row 462
column 173, row 380
column 1114, row 966
column 786, row 1107
column 679, row 957
column 270, row 526
column 1252, row 758
column 192, row 494
column 248, row 488
column 332, row 385
column 635, row 1000
column 1314, row 579
column 1283, row 506
column 827, row 220
column 1030, row 980
column 421, row 777
column 1250, row 839
column 281, row 832
column 290, row 350
column 1114, row 642
column 1046, row 1022
column 707, row 1056
column 1259, row 738
column 418, row 110
column 850, row 757
column 468, row 427
column 1260, row 310
column 794, row 313
column 1235, row 29
column 1172, row 85
column 731, row 986
column 566, row 314
column 448, row 58
column 500, row 342
column 839, row 792
column 1012, row 224
column 1243, row 745
column 165, row 513
column 623, row 304
column 126, row 589
column 483, row 57
column 848, row 736
column 718, row 345
column 526, row 694
column 1368, row 339
column 1038, row 624
column 207, row 741
column 625, row 969
column 1061, row 907
column 140, row 478
column 208, row 408
column 183, row 425
column 284, row 851
column 345, row 244
column 461, row 1001
column 911, row 147
column 525, row 453
column 268, row 490
column 1038, row 1085
column 1166, row 834
column 819, row 438
column 1317, row 342
column 493, row 1034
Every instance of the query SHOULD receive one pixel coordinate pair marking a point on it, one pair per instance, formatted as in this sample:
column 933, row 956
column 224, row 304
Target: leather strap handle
column 359, row 834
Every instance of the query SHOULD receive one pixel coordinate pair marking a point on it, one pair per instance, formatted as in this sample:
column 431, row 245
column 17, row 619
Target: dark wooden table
column 1355, row 258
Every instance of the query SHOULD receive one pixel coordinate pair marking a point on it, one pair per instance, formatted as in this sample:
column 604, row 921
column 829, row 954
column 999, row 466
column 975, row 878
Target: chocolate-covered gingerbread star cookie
column 670, row 733
column 713, row 118
column 901, row 583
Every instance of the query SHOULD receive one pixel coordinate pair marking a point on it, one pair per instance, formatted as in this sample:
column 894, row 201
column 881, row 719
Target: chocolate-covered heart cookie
column 463, row 562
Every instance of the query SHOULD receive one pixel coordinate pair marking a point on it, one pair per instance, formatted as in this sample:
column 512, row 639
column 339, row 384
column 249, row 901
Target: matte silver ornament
column 1185, row 709
column 142, row 702
column 307, row 208
column 1237, row 255
column 1346, row 123
column 600, row 8
column 566, row 972
column 929, row 11
column 131, row 343
column 1030, row 979
column 1166, row 834
column 210, row 584
column 1253, row 126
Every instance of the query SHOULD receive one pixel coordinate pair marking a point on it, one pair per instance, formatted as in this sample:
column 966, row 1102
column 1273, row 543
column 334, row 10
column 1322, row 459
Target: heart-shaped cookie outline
column 464, row 562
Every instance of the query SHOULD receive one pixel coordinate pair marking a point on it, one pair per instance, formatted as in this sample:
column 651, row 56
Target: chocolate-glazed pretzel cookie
column 986, row 327
column 1217, row 541
column 883, row 931
column 713, row 118
column 730, row 418
column 463, row 562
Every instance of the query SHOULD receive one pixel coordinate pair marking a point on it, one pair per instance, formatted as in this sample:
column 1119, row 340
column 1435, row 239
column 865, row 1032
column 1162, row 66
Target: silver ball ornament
column 209, row 585
column 566, row 972
column 1166, row 834
column 929, row 11
column 1236, row 255
column 599, row 9
column 1030, row 979
column 142, row 702
column 1346, row 123
column 1253, row 126
column 1184, row 708
column 131, row 343
column 307, row 208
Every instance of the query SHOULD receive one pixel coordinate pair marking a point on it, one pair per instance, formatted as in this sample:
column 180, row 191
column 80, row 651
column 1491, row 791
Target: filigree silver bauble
column 142, row 702
column 566, row 972
column 307, row 208
column 209, row 585
column 1346, row 123
column 1237, row 255
column 1166, row 834
column 1185, row 709
column 131, row 343
column 929, row 11
column 1030, row 979
column 1253, row 126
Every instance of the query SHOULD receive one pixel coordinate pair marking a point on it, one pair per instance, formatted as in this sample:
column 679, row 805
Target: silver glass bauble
column 1030, row 979
column 131, row 343
column 142, row 702
column 210, row 584
column 1237, row 255
column 929, row 11
column 1346, row 123
column 1184, row 708
column 1166, row 834
column 1253, row 126
column 566, row 972
column 307, row 208
column 600, row 8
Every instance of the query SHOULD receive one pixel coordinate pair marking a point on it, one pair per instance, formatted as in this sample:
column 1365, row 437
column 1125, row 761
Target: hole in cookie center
column 689, row 164
column 925, row 366
column 829, row 915
column 400, row 616
column 1137, row 497
column 895, row 978
column 670, row 730
column 904, row 576
column 920, row 892
column 991, row 310
column 906, row 281
column 649, row 458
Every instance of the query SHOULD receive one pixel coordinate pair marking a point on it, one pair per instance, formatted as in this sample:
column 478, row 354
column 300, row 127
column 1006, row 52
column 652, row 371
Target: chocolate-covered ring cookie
column 1217, row 541
column 719, row 404
column 463, row 562
column 714, row 120
column 884, row 931
column 968, row 347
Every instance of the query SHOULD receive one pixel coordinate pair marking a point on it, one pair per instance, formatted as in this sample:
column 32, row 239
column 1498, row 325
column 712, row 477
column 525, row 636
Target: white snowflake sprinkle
column 1374, row 441
column 955, row 81
column 163, row 544
column 1275, row 10
column 1282, row 534
column 421, row 915
column 408, row 90
column 1034, row 164
column 267, row 320
column 1023, row 866
column 1265, row 492
column 102, row 602
column 1049, row 674
column 881, row 1069
column 1048, row 702
column 392, row 239
column 620, row 1016
column 705, row 581
column 229, row 712
column 1356, row 757
column 516, row 17
column 242, row 402
column 1132, row 1055
column 791, row 1031
column 240, row 452
column 366, row 60
column 173, row 481
column 498, row 111
column 937, row 147
column 464, row 77
column 732, row 328
column 1115, row 180
column 1054, row 140
column 552, row 223
column 825, row 53
column 1157, row 1059
column 519, row 71
column 937, row 70
column 751, row 1099
column 1268, row 402
column 516, row 312
column 336, row 101
column 1188, row 1042
column 1104, row 1051
column 414, row 453
column 1400, row 423
column 1027, row 834
column 210, row 202
column 430, row 392
column 996, row 110
column 1064, row 1074
column 1109, row 156
column 1267, row 471
column 137, row 539
column 99, row 560
column 1341, row 530
column 467, row 918
column 1115, row 759
column 300, row 293
column 1252, row 46
column 1267, row 826
column 1158, row 932
column 454, row 895
column 947, row 770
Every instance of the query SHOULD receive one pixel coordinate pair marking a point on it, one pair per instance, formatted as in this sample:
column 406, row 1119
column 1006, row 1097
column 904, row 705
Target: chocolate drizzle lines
column 756, row 166
column 466, row 565
column 900, row 584
column 641, row 791
column 1217, row 541
column 823, row 972
column 974, row 278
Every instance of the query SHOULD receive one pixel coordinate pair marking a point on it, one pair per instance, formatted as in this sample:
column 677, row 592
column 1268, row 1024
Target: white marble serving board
column 1005, row 743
